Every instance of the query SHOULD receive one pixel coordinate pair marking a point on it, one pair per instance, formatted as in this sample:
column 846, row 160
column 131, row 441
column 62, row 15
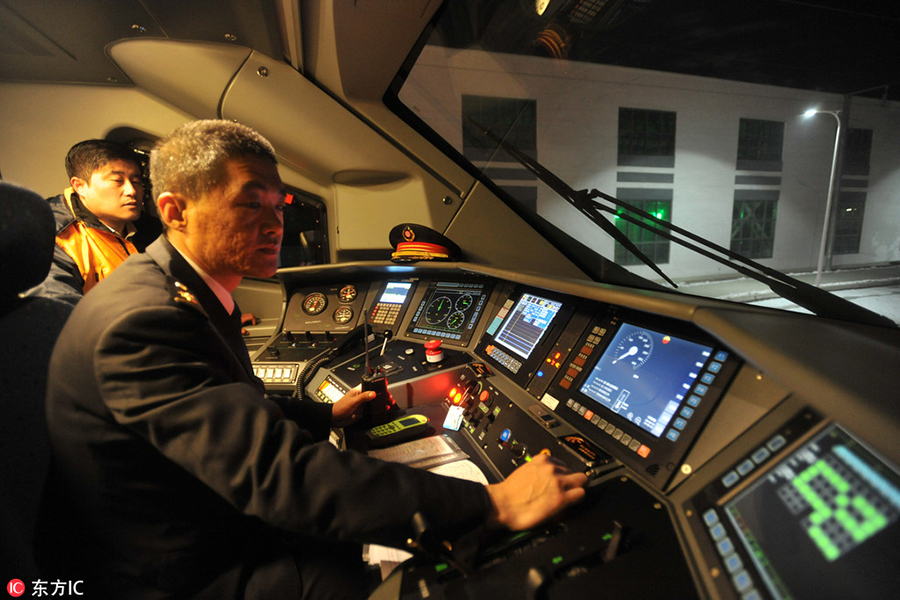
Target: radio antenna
column 366, row 339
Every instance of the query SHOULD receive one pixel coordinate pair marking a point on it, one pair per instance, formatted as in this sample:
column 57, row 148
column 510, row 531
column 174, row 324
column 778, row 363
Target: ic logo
column 15, row 587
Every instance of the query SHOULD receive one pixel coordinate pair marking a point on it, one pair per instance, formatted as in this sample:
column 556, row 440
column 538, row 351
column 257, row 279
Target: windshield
column 745, row 127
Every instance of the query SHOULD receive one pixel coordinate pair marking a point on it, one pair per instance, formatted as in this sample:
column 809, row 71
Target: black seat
column 29, row 328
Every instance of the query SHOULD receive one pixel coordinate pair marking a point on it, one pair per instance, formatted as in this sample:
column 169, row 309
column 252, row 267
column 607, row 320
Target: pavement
column 874, row 288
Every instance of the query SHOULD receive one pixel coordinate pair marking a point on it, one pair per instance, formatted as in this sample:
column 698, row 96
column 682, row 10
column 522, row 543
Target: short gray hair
column 191, row 160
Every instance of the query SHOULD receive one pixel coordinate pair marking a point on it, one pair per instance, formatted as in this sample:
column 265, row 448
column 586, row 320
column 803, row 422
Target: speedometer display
column 438, row 309
column 634, row 349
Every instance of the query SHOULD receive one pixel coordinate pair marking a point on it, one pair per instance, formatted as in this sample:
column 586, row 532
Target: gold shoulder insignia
column 185, row 297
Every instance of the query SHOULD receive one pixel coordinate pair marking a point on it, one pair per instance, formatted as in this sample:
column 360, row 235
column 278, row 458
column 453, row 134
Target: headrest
column 413, row 242
column 27, row 233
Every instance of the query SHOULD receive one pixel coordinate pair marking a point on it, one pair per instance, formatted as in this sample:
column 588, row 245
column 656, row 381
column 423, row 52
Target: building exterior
column 733, row 162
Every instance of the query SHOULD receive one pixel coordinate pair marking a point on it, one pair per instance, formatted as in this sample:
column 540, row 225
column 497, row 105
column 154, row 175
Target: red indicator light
column 666, row 339
column 288, row 198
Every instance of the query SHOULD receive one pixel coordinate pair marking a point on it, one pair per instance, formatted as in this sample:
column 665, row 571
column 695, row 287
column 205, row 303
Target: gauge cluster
column 449, row 310
column 336, row 308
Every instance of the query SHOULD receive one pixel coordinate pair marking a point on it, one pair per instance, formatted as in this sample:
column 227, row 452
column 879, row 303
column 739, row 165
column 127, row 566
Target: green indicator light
column 607, row 537
column 441, row 567
column 557, row 560
column 518, row 536
column 527, row 458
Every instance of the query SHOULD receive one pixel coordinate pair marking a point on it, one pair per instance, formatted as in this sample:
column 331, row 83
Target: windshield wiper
column 810, row 297
column 579, row 200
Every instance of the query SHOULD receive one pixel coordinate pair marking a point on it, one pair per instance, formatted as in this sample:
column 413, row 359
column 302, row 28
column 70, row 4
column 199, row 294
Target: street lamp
column 831, row 184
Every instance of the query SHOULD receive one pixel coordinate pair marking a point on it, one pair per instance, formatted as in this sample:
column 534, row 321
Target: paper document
column 424, row 453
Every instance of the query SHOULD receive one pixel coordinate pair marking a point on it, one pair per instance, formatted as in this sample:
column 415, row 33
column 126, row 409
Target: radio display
column 644, row 376
column 395, row 292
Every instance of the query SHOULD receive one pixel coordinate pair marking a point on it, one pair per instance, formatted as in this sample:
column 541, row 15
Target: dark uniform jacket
column 173, row 474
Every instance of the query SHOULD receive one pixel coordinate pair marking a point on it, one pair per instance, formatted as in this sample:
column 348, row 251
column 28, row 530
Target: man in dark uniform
column 174, row 475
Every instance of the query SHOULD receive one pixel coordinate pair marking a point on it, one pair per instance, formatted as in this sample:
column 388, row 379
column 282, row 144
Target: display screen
column 644, row 376
column 824, row 522
column 449, row 310
column 395, row 292
column 526, row 324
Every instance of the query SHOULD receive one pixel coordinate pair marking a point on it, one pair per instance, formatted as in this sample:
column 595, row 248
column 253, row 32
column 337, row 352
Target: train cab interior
column 519, row 217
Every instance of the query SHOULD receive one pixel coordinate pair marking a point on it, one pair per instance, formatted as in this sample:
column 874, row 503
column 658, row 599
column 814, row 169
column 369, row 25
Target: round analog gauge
column 634, row 349
column 347, row 293
column 464, row 302
column 315, row 303
column 343, row 315
column 438, row 310
column 456, row 320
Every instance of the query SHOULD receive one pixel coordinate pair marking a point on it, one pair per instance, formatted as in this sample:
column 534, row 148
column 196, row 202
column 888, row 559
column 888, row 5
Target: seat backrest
column 28, row 329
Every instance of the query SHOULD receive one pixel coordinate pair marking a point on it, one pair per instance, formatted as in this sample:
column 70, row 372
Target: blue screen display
column 644, row 376
column 527, row 324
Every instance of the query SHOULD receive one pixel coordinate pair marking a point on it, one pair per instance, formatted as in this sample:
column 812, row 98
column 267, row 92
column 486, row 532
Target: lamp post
column 831, row 185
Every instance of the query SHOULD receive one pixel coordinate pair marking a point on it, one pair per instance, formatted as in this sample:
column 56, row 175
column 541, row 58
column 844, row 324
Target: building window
column 657, row 202
column 857, row 151
column 753, row 225
column 515, row 121
column 646, row 138
column 848, row 222
column 759, row 145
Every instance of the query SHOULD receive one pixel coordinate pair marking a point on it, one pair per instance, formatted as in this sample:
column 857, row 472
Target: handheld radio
column 381, row 408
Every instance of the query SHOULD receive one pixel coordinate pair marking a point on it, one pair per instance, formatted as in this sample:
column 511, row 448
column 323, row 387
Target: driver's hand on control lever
column 348, row 409
column 535, row 492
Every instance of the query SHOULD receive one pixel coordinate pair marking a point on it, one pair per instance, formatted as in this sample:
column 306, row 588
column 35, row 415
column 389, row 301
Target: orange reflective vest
column 95, row 248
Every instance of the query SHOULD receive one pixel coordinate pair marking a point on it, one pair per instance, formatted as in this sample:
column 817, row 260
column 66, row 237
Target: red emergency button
column 433, row 351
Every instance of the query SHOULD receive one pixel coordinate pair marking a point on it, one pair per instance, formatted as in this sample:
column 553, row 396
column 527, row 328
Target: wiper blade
column 810, row 297
column 580, row 200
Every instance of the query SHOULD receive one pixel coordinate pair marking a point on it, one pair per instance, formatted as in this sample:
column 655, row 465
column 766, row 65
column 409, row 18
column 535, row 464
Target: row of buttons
column 617, row 434
column 706, row 379
column 276, row 374
column 740, row 578
column 329, row 391
column 756, row 458
column 440, row 334
column 580, row 359
column 504, row 359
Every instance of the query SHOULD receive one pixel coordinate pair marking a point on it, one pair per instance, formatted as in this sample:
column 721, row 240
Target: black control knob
column 518, row 449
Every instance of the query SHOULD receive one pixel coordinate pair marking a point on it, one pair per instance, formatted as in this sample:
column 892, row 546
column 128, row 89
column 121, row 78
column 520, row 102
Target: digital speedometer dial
column 456, row 320
column 634, row 349
column 438, row 310
column 464, row 302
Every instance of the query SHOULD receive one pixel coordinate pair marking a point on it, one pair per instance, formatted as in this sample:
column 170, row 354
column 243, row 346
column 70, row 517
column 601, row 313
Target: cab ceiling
column 64, row 41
